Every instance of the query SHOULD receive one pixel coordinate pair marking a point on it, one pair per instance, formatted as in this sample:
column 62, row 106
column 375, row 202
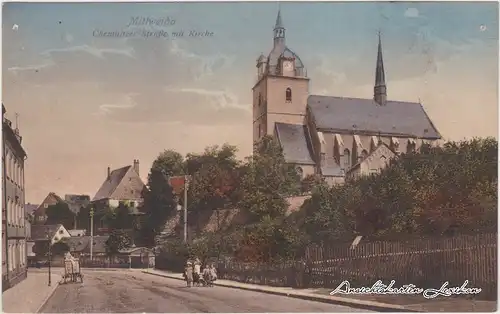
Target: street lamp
column 50, row 253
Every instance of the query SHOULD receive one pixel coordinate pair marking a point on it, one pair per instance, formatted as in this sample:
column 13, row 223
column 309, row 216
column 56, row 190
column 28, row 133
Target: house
column 121, row 185
column 77, row 232
column 14, row 260
column 40, row 216
column 53, row 232
column 373, row 163
column 329, row 135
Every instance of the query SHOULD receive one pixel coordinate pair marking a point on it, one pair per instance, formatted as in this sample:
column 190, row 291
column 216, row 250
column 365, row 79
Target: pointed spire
column 279, row 30
column 279, row 21
column 380, row 89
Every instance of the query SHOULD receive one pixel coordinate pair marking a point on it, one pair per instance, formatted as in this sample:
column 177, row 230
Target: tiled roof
column 110, row 184
column 294, row 142
column 365, row 115
column 77, row 232
column 39, row 232
column 82, row 244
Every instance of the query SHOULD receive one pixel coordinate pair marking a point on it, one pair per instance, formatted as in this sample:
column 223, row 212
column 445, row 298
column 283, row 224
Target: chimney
column 109, row 173
column 136, row 166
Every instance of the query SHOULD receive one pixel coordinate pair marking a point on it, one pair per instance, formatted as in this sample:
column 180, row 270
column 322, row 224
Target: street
column 133, row 291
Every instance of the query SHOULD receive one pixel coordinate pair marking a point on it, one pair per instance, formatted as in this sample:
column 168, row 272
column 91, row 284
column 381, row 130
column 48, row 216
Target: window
column 10, row 257
column 383, row 160
column 260, row 100
column 288, row 95
column 7, row 164
column 323, row 158
column 364, row 154
column 300, row 172
column 61, row 232
column 347, row 160
column 45, row 205
column 259, row 132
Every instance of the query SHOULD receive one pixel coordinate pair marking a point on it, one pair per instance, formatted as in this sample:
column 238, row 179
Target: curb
column 360, row 304
column 54, row 287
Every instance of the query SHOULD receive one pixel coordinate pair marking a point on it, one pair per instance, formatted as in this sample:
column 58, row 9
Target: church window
column 347, row 160
column 260, row 99
column 364, row 154
column 288, row 95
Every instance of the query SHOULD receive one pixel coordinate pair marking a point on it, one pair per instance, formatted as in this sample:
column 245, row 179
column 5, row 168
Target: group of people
column 194, row 275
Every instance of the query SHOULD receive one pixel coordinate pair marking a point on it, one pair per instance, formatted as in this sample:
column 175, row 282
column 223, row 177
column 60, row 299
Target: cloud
column 412, row 13
column 154, row 75
column 189, row 106
column 97, row 52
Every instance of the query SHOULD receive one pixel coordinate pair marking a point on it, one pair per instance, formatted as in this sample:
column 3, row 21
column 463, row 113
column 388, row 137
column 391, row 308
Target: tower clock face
column 288, row 65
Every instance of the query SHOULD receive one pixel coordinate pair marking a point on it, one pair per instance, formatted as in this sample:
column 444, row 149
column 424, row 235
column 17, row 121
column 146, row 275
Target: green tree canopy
column 118, row 240
column 60, row 214
column 159, row 199
column 438, row 190
column 214, row 177
column 267, row 180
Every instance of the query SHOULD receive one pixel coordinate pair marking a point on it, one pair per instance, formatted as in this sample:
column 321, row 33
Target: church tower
column 380, row 89
column 282, row 87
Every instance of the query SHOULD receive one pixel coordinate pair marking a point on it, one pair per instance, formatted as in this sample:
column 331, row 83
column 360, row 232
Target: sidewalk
column 380, row 303
column 31, row 294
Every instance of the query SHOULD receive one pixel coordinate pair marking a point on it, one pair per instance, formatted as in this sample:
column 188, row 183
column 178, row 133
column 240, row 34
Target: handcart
column 72, row 271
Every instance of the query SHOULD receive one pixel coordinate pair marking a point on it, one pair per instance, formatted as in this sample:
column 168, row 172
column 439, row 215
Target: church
column 336, row 137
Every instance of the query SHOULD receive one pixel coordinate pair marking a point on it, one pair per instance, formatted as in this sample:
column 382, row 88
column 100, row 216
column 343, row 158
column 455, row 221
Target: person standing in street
column 189, row 273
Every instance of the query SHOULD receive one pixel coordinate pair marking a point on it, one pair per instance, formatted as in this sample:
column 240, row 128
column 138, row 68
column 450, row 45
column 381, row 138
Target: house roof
column 110, row 184
column 39, row 232
column 82, row 244
column 76, row 232
column 365, row 115
column 294, row 142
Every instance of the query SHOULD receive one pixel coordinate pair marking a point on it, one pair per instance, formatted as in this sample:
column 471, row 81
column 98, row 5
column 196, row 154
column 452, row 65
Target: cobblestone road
column 133, row 291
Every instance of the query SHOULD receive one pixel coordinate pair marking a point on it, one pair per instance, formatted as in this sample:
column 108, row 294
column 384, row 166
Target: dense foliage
column 438, row 190
column 433, row 191
column 60, row 214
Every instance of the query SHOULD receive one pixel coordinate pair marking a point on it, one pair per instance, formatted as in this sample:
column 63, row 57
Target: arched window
column 364, row 154
column 347, row 160
column 288, row 95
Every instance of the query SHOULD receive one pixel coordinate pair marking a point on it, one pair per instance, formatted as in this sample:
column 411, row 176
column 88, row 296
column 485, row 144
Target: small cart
column 72, row 271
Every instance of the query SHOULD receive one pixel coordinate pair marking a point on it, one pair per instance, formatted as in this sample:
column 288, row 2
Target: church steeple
column 380, row 89
column 279, row 30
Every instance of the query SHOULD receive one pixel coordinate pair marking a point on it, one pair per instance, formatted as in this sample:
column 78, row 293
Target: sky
column 87, row 101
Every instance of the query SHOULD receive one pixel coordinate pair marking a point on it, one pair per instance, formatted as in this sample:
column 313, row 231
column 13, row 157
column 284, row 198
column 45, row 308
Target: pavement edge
column 54, row 287
column 355, row 303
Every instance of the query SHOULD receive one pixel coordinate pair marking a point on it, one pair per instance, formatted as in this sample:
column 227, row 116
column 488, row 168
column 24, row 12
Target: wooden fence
column 426, row 263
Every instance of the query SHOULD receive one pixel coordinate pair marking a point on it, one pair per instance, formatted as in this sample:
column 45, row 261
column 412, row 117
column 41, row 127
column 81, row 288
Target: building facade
column 329, row 135
column 14, row 246
column 39, row 215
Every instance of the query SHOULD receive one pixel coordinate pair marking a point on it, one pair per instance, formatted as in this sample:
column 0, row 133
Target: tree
column 119, row 217
column 118, row 240
column 159, row 199
column 267, row 180
column 214, row 177
column 60, row 214
column 83, row 218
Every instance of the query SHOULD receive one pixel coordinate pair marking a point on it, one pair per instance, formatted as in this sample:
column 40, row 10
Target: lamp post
column 49, row 241
column 91, row 232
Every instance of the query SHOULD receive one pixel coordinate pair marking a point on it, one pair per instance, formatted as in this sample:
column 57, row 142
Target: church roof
column 365, row 115
column 294, row 142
